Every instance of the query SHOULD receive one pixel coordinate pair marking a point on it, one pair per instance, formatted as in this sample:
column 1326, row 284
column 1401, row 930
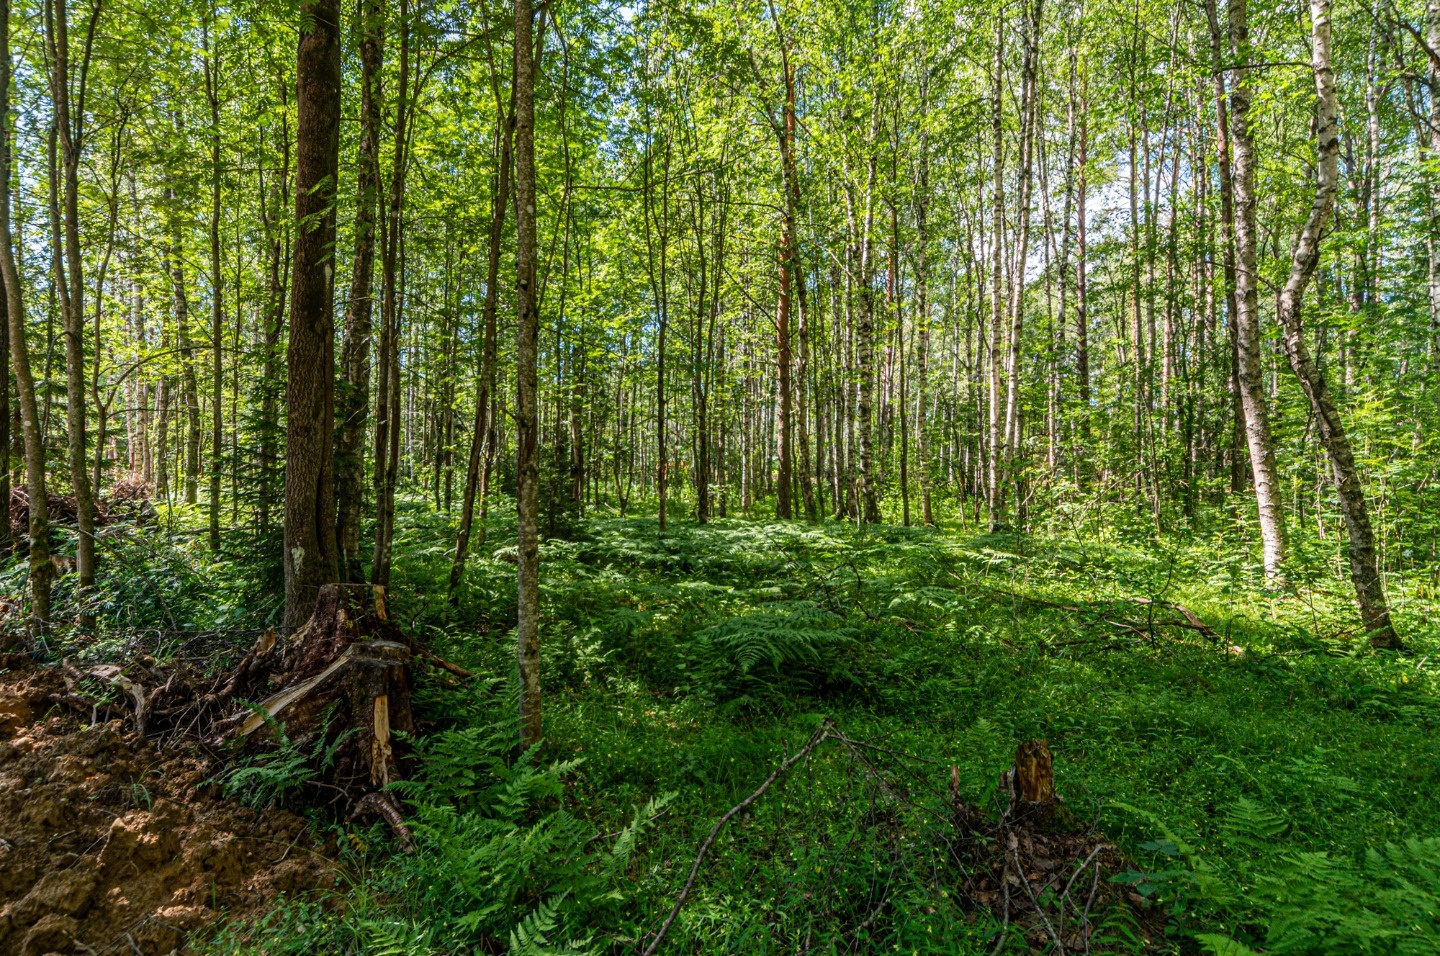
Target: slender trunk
column 387, row 417
column 272, row 324
column 902, row 356
column 1247, row 325
column 310, row 552
column 34, row 443
column 526, row 405
column 69, row 126
column 1432, row 34
column 1082, row 302
column 782, row 345
column 354, row 392
column 1028, row 123
column 922, row 304
column 796, row 266
column 482, row 441
column 995, row 485
column 1227, row 245
column 217, row 307
column 1364, row 572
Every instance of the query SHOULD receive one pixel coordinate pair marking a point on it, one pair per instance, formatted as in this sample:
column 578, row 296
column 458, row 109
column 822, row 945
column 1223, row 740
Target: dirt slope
column 108, row 846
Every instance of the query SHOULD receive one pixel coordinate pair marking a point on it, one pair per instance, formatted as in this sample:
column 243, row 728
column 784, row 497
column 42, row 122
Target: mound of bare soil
column 108, row 845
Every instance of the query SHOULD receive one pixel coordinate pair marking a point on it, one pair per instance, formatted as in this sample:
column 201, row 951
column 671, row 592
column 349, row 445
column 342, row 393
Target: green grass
column 1275, row 786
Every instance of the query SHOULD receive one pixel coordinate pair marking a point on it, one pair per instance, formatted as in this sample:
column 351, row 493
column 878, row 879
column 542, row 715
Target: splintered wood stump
column 1035, row 772
column 1031, row 782
column 347, row 669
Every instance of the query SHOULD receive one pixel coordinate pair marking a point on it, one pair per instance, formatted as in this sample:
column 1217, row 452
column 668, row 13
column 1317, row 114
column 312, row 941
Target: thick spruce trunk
column 310, row 552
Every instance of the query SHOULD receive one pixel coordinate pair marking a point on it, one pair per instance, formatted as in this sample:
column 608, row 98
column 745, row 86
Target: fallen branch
column 1102, row 611
column 821, row 734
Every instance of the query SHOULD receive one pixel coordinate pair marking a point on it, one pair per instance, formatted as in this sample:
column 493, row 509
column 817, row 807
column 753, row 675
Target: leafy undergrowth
column 1271, row 780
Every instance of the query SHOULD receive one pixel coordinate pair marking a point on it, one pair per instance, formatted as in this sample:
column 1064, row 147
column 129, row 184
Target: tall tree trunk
column 217, row 285
column 865, row 334
column 310, row 552
column 1082, row 301
column 1029, row 114
column 34, row 442
column 922, row 291
column 1432, row 35
column 793, row 261
column 1227, row 245
column 278, row 259
column 353, row 400
column 783, row 489
column 189, row 388
column 1364, row 572
column 387, row 412
column 482, row 438
column 527, row 410
column 69, row 126
column 995, row 484
column 7, row 542
column 1247, row 315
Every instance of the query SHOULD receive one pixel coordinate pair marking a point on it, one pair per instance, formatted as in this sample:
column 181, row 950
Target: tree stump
column 1030, row 785
column 345, row 671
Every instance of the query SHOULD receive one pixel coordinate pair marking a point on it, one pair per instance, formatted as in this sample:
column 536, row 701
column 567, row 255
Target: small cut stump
column 1044, row 874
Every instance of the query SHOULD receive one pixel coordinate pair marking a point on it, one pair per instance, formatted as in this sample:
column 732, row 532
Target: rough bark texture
column 1247, row 306
column 527, row 409
column 784, row 434
column 217, row 297
column 353, row 401
column 1432, row 35
column 865, row 339
column 71, row 282
column 995, row 483
column 1364, row 573
column 482, row 441
column 1227, row 239
column 7, row 541
column 310, row 559
column 39, row 525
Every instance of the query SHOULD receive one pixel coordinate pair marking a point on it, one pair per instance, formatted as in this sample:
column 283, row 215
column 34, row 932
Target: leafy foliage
column 266, row 779
column 1245, row 781
column 780, row 649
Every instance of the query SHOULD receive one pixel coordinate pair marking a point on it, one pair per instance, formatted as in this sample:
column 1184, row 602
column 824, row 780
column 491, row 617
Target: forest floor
column 109, row 844
column 1265, row 780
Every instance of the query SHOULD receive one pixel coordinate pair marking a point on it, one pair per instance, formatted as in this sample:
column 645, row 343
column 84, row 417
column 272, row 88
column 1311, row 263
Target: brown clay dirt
column 110, row 846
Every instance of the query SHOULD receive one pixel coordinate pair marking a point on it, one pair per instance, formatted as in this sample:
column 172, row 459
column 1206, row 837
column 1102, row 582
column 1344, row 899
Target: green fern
column 1386, row 902
column 769, row 651
column 614, row 863
column 395, row 938
column 263, row 780
column 531, row 936
column 1249, row 824
column 1218, row 945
